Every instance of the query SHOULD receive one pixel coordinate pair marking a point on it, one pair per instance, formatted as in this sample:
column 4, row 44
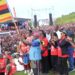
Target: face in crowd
column 63, row 35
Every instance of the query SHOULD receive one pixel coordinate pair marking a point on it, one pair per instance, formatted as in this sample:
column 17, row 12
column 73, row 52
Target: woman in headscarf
column 35, row 54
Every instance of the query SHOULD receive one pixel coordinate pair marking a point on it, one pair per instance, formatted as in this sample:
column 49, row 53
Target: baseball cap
column 64, row 31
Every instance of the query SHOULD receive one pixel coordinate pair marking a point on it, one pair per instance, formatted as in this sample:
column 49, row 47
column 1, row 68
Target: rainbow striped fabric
column 5, row 14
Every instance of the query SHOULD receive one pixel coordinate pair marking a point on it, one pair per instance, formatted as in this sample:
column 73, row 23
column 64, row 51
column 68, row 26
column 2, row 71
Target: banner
column 5, row 14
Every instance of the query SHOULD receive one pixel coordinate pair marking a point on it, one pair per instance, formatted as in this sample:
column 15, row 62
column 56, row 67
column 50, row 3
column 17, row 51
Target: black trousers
column 2, row 73
column 63, row 66
column 45, row 64
column 74, row 61
column 49, row 59
column 54, row 62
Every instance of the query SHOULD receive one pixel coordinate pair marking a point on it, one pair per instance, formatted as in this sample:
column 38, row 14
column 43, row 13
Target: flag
column 5, row 14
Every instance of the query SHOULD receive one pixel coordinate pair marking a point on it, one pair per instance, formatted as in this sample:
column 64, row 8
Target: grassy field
column 22, row 73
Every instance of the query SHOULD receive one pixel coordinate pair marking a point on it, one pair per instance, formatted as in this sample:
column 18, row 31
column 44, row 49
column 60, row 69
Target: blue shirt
column 35, row 51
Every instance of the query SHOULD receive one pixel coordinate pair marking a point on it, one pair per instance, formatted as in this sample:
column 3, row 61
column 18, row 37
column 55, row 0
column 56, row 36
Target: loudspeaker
column 50, row 19
column 35, row 21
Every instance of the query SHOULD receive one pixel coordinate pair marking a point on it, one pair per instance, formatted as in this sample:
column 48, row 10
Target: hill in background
column 70, row 18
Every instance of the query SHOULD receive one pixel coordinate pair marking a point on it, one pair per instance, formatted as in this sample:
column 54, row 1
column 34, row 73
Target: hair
column 55, row 34
column 30, row 31
column 44, row 34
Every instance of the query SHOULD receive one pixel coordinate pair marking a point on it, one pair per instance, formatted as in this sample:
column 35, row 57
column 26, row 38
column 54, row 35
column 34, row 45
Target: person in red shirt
column 25, row 56
column 7, row 56
column 2, row 65
column 23, row 47
column 54, row 51
column 63, row 45
column 44, row 51
column 11, row 68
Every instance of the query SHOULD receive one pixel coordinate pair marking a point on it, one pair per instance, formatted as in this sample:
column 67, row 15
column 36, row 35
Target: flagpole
column 14, row 11
column 14, row 20
column 17, row 30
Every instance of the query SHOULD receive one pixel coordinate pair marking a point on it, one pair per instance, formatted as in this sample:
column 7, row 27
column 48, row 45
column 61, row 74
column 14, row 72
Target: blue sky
column 27, row 8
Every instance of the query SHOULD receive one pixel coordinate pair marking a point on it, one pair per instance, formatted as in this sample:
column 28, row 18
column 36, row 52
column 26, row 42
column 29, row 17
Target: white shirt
column 59, row 34
column 19, row 67
column 48, row 36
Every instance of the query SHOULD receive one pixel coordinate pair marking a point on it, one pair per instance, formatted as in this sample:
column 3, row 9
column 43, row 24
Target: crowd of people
column 37, row 51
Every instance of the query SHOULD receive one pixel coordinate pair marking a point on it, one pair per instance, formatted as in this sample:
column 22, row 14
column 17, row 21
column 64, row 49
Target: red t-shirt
column 24, row 48
column 54, row 51
column 44, row 47
column 2, row 64
column 9, row 57
column 12, row 69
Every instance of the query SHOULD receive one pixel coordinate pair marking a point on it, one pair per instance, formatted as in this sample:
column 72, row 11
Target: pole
column 13, row 20
column 14, row 11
